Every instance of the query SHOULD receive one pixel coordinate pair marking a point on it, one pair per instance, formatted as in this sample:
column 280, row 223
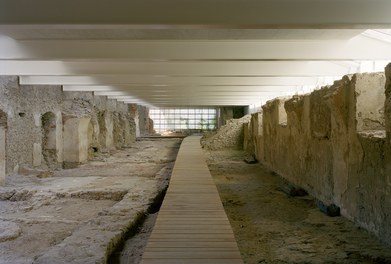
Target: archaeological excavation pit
column 194, row 132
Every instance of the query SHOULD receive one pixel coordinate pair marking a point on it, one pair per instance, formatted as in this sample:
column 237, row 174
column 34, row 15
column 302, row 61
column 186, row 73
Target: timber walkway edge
column 192, row 226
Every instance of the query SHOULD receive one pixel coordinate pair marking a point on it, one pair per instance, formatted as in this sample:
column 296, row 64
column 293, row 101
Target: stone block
column 2, row 155
column 76, row 139
column 37, row 154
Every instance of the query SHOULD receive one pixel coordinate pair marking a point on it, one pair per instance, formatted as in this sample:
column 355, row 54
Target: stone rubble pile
column 228, row 136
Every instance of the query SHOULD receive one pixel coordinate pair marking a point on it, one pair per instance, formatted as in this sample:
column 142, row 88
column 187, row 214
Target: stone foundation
column 42, row 127
column 336, row 144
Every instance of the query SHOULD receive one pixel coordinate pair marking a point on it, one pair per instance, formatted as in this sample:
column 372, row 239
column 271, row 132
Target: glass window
column 183, row 118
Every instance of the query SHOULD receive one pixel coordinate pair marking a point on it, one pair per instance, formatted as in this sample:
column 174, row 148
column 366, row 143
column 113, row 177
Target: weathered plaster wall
column 24, row 106
column 336, row 144
column 33, row 133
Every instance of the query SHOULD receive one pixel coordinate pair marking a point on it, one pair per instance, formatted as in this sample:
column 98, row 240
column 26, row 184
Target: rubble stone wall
column 32, row 122
column 336, row 144
column 24, row 105
column 145, row 123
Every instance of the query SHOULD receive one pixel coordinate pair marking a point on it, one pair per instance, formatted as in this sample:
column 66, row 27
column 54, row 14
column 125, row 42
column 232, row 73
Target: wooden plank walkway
column 192, row 226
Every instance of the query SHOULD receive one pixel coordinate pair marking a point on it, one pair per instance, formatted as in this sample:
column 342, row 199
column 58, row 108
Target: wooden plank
column 192, row 244
column 194, row 254
column 192, row 261
column 211, row 250
column 192, row 226
column 190, row 238
column 193, row 231
column 192, row 221
column 187, row 228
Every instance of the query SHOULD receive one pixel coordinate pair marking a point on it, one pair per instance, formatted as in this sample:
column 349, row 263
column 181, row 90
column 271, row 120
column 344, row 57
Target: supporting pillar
column 75, row 141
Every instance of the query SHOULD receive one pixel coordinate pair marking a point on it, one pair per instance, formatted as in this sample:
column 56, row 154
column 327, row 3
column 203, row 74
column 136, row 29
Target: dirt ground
column 271, row 227
column 134, row 247
column 79, row 215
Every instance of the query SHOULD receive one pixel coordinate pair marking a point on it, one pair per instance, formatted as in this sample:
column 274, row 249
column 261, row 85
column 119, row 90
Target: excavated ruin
column 75, row 183
column 229, row 135
column 335, row 144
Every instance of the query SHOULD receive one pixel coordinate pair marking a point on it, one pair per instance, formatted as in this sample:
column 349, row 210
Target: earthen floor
column 271, row 227
column 79, row 215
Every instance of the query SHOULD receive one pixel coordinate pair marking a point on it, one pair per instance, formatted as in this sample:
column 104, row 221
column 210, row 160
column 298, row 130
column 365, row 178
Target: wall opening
column 93, row 137
column 49, row 141
column 282, row 115
column 3, row 141
column 182, row 119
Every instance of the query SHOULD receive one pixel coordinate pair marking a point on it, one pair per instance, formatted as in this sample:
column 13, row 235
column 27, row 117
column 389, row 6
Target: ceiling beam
column 153, row 81
column 176, row 89
column 241, row 68
column 198, row 13
column 357, row 48
column 34, row 32
column 209, row 94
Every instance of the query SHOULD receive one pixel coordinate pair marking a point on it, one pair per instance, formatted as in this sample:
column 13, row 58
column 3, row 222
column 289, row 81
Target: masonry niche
column 3, row 141
column 76, row 142
column 93, row 137
column 49, row 139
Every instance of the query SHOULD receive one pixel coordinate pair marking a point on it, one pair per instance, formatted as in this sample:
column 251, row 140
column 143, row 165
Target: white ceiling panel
column 195, row 52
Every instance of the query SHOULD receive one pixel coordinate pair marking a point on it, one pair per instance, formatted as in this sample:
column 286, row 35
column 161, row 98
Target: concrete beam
column 357, row 48
column 199, row 13
column 221, row 68
column 153, row 81
column 98, row 89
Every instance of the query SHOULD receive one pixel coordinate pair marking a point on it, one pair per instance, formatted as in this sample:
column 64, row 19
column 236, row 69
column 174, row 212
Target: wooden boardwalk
column 192, row 226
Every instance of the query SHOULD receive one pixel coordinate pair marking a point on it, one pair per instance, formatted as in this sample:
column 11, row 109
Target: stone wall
column 336, row 144
column 42, row 127
column 253, row 136
column 145, row 123
column 24, row 107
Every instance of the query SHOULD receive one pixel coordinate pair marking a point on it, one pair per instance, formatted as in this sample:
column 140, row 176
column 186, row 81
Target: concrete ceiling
column 193, row 52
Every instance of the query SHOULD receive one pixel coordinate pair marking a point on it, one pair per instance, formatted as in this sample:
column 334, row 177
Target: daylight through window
column 183, row 119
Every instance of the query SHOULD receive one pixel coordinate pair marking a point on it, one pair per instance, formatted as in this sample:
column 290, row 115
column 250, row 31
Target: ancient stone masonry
column 3, row 133
column 145, row 123
column 24, row 108
column 336, row 144
column 44, row 128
